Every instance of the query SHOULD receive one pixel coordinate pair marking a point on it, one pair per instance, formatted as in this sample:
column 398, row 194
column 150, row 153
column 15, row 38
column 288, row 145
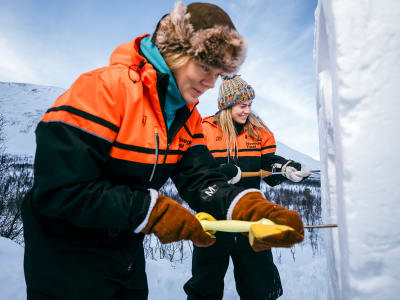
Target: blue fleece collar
column 173, row 98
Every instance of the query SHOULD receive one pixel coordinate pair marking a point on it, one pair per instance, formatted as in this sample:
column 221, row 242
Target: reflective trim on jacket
column 253, row 155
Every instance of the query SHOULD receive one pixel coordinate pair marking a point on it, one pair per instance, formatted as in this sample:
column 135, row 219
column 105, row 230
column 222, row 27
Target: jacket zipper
column 157, row 140
column 173, row 135
column 166, row 152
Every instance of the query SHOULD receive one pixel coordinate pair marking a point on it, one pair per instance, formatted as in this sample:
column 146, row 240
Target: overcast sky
column 53, row 42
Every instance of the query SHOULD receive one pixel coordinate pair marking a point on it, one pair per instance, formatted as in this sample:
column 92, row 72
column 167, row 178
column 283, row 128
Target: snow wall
column 357, row 57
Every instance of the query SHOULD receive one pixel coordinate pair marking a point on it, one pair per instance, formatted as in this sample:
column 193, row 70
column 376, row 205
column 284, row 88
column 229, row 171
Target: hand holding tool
column 257, row 230
column 171, row 222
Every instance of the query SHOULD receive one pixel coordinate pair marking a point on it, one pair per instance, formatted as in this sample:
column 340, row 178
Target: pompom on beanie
column 234, row 90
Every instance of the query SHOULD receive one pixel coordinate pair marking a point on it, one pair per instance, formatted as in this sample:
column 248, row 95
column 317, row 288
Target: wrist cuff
column 236, row 200
column 284, row 167
column 153, row 200
column 237, row 177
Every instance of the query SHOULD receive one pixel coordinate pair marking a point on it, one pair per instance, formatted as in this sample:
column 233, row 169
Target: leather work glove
column 231, row 172
column 171, row 222
column 253, row 207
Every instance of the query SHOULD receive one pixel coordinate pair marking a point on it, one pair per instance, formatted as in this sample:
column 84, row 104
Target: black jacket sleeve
column 201, row 185
column 70, row 183
column 267, row 162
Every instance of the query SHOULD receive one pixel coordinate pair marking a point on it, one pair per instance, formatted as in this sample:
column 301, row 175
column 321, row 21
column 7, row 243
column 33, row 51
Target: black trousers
column 256, row 275
column 128, row 286
column 87, row 283
column 66, row 262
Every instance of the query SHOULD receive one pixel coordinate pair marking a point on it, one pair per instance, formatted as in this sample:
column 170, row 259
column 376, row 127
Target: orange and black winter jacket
column 104, row 142
column 101, row 145
column 252, row 155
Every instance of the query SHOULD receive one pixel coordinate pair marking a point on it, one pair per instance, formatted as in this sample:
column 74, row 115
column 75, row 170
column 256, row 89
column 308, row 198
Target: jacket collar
column 129, row 55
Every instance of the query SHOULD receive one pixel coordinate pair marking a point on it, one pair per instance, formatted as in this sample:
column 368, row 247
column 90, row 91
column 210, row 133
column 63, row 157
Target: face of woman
column 241, row 111
column 194, row 78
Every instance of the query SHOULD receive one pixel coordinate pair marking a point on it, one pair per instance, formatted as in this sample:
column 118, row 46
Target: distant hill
column 23, row 105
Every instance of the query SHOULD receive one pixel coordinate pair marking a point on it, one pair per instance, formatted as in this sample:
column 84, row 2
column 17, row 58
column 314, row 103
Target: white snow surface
column 23, row 105
column 12, row 283
column 357, row 54
column 302, row 278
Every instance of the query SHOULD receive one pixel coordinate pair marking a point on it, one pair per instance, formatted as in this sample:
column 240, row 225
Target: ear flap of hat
column 153, row 36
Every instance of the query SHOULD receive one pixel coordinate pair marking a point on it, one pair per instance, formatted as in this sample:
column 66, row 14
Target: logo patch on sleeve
column 208, row 192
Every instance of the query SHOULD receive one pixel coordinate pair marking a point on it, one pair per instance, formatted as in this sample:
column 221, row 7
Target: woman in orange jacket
column 240, row 141
column 111, row 141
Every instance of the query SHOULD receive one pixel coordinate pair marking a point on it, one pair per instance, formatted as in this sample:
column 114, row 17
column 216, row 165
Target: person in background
column 240, row 141
column 111, row 141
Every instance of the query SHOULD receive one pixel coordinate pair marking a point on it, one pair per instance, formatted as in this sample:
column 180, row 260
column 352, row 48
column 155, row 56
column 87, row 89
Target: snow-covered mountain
column 23, row 105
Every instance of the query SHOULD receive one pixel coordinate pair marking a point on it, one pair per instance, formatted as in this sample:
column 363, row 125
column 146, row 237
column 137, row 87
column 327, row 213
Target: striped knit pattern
column 234, row 90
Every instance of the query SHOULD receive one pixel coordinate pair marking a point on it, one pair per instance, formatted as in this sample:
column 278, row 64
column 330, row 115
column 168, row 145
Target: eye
column 205, row 68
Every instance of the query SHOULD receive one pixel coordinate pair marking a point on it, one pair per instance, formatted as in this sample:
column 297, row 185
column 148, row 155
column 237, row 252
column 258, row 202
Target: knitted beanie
column 203, row 31
column 234, row 90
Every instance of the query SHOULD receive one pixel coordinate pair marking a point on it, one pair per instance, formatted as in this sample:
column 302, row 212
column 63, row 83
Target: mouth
column 197, row 92
column 243, row 118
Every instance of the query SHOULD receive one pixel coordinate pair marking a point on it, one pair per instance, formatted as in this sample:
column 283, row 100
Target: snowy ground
column 12, row 284
column 303, row 277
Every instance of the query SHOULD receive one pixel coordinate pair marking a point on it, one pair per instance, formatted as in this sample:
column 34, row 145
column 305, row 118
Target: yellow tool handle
column 226, row 226
column 257, row 230
column 231, row 225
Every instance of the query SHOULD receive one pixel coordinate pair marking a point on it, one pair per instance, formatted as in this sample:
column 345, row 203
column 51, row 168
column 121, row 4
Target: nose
column 209, row 81
column 247, row 110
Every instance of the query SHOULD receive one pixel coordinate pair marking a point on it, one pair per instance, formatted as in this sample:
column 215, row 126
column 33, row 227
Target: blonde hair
column 224, row 120
column 176, row 60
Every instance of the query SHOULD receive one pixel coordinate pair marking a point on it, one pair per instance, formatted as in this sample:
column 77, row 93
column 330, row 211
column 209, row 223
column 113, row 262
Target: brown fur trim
column 218, row 46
